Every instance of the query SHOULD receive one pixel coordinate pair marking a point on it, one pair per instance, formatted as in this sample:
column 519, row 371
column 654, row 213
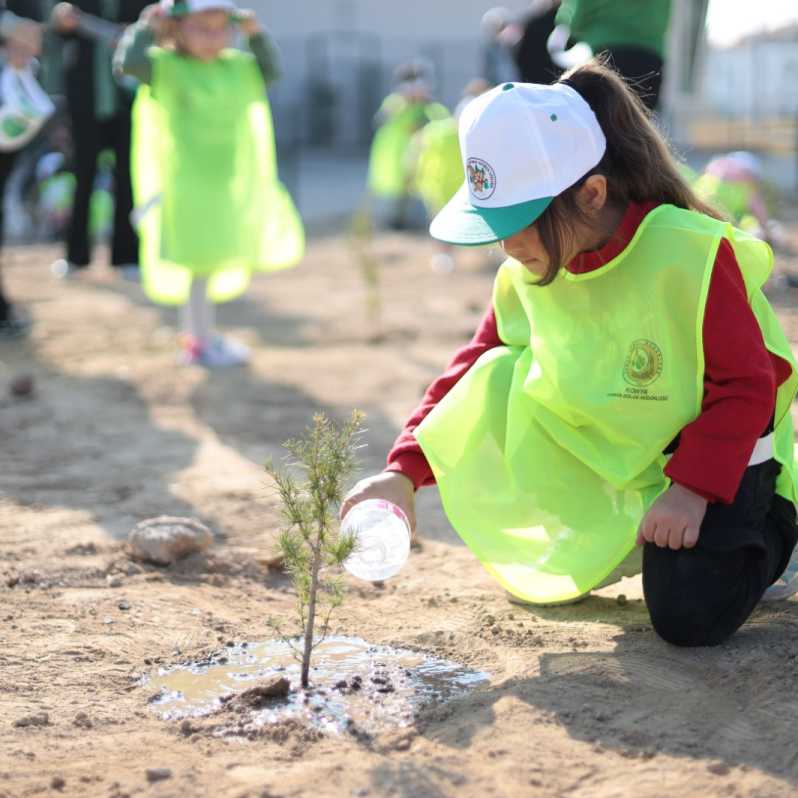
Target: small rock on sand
column 57, row 783
column 22, row 386
column 158, row 774
column 82, row 721
column 165, row 539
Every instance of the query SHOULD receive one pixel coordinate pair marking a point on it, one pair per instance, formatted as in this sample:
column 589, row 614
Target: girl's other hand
column 674, row 520
column 389, row 485
column 65, row 17
column 154, row 17
column 248, row 22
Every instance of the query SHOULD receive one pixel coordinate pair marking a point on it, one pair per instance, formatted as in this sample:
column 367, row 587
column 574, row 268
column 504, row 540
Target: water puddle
column 353, row 683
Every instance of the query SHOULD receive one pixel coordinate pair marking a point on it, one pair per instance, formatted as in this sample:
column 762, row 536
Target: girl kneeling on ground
column 625, row 402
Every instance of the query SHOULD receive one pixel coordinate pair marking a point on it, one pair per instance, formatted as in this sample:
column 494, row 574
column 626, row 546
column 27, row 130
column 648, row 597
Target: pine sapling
column 312, row 548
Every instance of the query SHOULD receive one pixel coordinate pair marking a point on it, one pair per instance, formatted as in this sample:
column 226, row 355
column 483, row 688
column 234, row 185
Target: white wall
column 421, row 19
column 757, row 79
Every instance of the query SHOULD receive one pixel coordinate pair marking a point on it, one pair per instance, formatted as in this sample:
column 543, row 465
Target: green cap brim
column 460, row 222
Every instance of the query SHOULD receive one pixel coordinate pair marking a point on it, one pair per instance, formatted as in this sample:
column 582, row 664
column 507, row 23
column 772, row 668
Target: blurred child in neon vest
column 733, row 184
column 405, row 111
column 210, row 207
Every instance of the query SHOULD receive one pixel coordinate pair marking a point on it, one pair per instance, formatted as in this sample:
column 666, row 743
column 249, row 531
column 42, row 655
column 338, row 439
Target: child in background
column 439, row 167
column 437, row 176
column 21, row 40
column 733, row 184
column 629, row 383
column 210, row 207
column 402, row 114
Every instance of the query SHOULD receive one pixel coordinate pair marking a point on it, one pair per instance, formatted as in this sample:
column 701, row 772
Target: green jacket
column 604, row 23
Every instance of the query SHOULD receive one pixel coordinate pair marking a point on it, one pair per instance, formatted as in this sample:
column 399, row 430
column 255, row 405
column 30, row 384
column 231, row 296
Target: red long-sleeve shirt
column 740, row 380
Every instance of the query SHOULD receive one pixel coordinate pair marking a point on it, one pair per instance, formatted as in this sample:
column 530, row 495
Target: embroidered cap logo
column 481, row 178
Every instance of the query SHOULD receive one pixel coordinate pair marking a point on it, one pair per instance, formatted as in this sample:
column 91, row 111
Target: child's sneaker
column 787, row 584
column 218, row 353
column 64, row 270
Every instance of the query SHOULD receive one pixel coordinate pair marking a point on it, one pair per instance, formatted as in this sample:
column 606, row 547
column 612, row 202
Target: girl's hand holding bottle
column 391, row 486
column 379, row 513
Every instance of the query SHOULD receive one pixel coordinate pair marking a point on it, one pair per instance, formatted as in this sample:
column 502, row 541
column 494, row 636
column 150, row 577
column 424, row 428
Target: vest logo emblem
column 643, row 364
column 481, row 178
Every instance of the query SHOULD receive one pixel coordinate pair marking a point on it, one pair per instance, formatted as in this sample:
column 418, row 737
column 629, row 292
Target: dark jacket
column 80, row 54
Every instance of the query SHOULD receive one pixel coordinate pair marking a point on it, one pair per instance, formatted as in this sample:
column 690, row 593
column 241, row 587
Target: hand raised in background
column 248, row 22
column 65, row 18
column 155, row 17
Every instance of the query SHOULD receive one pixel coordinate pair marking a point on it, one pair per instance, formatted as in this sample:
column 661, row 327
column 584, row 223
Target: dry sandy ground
column 582, row 701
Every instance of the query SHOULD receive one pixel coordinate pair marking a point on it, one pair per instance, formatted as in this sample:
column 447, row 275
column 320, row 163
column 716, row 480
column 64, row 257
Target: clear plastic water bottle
column 382, row 536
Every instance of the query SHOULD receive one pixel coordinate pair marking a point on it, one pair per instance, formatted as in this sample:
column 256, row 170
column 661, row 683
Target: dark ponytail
column 638, row 165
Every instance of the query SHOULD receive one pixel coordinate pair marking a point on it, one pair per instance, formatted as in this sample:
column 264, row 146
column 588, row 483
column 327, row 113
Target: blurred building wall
column 339, row 55
column 749, row 101
column 756, row 78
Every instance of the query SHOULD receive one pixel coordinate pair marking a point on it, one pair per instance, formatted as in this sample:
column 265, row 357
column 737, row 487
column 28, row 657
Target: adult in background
column 502, row 34
column 99, row 110
column 632, row 33
column 21, row 39
column 531, row 54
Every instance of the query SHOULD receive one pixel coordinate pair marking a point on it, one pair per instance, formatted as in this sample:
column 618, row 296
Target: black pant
column 701, row 596
column 91, row 136
column 6, row 165
column 642, row 68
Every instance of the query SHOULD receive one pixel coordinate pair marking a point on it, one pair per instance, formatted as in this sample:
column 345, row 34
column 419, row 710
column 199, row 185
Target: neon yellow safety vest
column 733, row 197
column 548, row 452
column 439, row 169
column 390, row 174
column 205, row 178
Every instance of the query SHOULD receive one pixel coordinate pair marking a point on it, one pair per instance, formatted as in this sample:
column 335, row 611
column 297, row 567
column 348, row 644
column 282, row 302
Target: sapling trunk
column 312, row 551
column 361, row 231
column 307, row 651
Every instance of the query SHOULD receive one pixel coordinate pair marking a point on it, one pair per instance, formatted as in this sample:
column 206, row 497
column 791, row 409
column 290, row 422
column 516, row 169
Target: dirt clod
column 255, row 697
column 39, row 719
column 719, row 768
column 158, row 774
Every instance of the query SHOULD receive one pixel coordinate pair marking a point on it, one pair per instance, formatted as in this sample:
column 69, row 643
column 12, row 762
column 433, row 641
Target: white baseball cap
column 179, row 8
column 522, row 145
